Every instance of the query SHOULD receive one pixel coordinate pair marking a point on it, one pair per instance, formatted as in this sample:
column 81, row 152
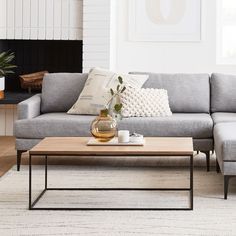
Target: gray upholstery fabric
column 229, row 168
column 219, row 117
column 61, row 90
column 62, row 124
column 29, row 108
column 223, row 93
column 53, row 125
column 225, row 141
column 188, row 93
column 26, row 144
column 177, row 125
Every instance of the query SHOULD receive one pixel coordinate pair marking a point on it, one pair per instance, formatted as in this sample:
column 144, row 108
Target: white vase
column 2, row 87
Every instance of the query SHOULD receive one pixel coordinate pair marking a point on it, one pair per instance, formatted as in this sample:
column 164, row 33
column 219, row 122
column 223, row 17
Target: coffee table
column 76, row 146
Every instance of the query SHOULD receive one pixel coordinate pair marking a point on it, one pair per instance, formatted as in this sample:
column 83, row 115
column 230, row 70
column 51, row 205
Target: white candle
column 123, row 136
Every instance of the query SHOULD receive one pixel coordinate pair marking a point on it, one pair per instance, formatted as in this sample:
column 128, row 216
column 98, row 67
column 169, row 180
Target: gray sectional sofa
column 193, row 98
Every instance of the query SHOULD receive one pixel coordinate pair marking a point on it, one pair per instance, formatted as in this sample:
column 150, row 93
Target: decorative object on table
column 104, row 127
column 136, row 138
column 114, row 104
column 162, row 20
column 96, row 91
column 145, row 102
column 113, row 142
column 5, row 68
column 123, row 136
column 32, row 81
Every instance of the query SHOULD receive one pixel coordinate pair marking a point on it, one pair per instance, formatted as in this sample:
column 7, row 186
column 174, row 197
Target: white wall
column 169, row 57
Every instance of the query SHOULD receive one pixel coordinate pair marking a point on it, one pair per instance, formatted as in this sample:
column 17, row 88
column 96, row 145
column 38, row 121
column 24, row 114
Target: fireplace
column 40, row 55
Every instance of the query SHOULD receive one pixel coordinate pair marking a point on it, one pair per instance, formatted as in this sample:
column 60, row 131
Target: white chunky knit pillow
column 145, row 102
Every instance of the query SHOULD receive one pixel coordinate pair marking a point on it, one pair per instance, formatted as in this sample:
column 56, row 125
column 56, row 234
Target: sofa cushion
column 62, row 124
column 223, row 93
column 219, row 117
column 61, row 90
column 177, row 125
column 225, row 141
column 188, row 93
column 53, row 125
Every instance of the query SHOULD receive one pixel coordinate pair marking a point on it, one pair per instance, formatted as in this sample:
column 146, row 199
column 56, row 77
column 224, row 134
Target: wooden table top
column 77, row 146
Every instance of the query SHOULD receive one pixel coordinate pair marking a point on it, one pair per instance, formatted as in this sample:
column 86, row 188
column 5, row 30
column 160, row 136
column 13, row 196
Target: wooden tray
column 113, row 142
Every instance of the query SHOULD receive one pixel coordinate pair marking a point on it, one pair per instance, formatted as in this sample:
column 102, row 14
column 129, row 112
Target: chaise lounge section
column 223, row 106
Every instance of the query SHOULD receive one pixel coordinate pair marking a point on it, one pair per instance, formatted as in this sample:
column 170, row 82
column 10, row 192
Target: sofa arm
column 29, row 108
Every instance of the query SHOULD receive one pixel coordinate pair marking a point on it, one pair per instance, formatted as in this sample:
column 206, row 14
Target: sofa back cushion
column 188, row 93
column 223, row 93
column 61, row 90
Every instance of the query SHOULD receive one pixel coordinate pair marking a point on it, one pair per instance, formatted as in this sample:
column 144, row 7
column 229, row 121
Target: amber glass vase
column 104, row 127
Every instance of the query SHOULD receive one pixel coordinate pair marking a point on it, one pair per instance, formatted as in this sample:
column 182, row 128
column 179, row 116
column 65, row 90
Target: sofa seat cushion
column 53, row 125
column 177, row 125
column 219, row 117
column 225, row 141
column 62, row 124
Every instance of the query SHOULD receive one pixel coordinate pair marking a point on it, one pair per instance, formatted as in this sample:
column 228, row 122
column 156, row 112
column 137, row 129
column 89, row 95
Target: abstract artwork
column 165, row 20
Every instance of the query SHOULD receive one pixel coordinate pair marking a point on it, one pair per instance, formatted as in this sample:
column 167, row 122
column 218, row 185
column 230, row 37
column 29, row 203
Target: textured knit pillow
column 96, row 92
column 145, row 102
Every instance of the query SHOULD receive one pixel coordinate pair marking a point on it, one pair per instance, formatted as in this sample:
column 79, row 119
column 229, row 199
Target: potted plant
column 5, row 68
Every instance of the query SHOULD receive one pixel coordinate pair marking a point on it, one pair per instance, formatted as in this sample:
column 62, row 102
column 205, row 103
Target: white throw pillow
column 96, row 92
column 145, row 102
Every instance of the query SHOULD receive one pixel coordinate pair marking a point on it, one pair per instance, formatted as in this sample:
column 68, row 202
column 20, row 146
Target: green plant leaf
column 118, row 107
column 5, row 63
column 120, row 80
column 112, row 92
column 123, row 89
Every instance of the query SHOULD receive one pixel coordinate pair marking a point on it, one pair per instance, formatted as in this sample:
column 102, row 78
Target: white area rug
column 211, row 215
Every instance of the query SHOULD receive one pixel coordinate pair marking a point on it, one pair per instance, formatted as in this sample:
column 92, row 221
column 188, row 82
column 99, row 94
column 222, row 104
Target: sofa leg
column 207, row 159
column 217, row 166
column 226, row 185
column 19, row 153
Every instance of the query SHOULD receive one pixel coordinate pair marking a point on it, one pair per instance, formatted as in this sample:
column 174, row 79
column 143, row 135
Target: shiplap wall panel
column 57, row 19
column 10, row 19
column 75, row 19
column 49, row 19
column 34, row 19
column 3, row 19
column 96, row 34
column 18, row 19
column 41, row 19
column 26, row 19
column 65, row 16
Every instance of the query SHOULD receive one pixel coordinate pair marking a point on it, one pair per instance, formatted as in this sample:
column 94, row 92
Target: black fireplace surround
column 38, row 55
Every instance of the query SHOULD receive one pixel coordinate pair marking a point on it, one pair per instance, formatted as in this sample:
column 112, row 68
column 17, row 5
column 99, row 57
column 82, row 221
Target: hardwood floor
column 7, row 154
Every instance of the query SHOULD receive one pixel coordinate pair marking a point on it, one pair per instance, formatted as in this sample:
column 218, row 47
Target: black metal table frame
column 46, row 188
